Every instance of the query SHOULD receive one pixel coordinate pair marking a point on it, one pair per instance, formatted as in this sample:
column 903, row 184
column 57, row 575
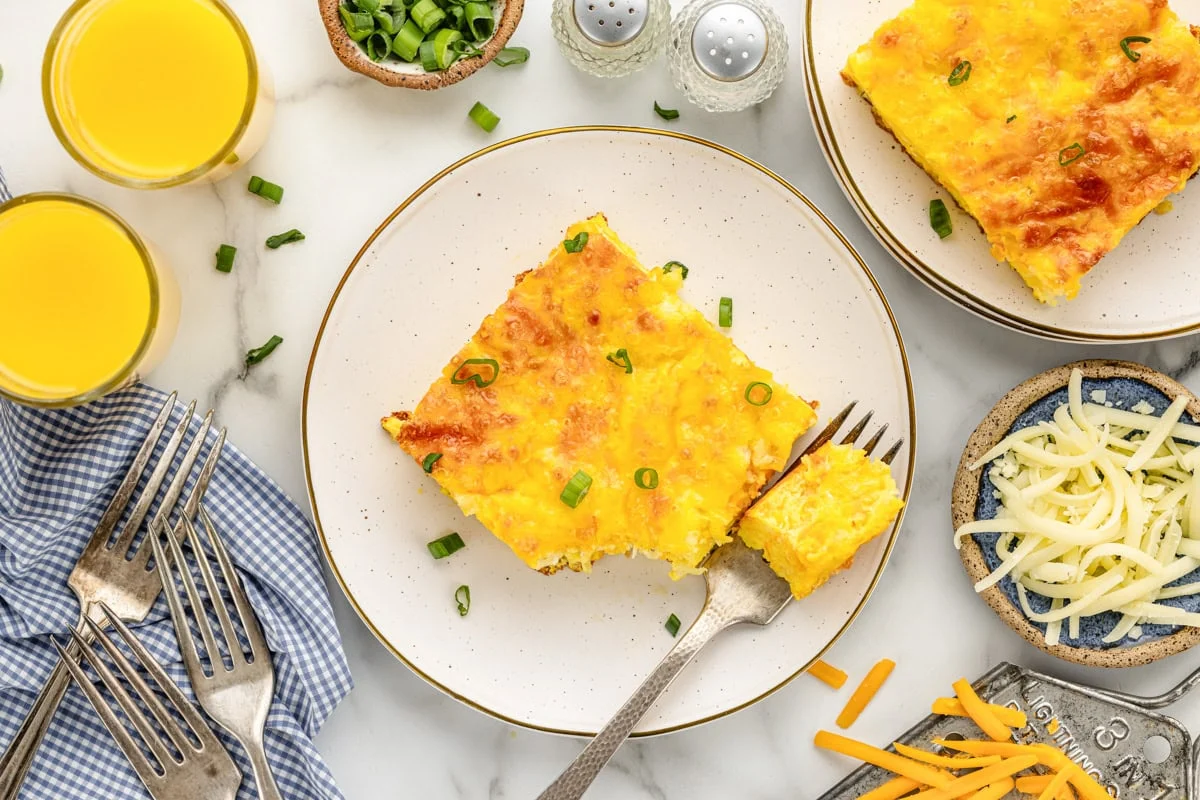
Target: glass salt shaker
column 726, row 55
column 610, row 38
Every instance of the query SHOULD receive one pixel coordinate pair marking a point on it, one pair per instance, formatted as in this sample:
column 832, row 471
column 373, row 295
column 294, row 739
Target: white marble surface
column 348, row 151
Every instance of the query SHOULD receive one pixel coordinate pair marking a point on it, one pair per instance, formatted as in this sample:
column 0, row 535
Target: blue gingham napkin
column 58, row 470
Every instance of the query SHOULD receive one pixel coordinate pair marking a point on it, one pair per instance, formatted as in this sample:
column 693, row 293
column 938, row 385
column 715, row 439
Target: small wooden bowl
column 965, row 501
column 412, row 76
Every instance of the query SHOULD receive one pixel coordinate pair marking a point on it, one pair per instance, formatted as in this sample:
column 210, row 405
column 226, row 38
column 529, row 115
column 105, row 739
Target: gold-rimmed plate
column 1137, row 292
column 561, row 653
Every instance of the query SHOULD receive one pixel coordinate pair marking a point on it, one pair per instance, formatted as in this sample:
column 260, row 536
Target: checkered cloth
column 58, row 470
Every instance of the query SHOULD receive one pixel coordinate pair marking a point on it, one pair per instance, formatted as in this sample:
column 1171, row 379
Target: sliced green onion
column 426, row 56
column 287, row 237
column 764, row 396
column 406, row 42
column 447, row 545
column 1130, row 53
column 1070, row 154
column 457, row 19
column 443, row 50
column 427, row 14
column 379, row 46
column 258, row 354
column 511, row 55
column 725, row 312
column 670, row 265
column 357, row 24
column 483, row 117
column 665, row 113
column 646, row 478
column 672, row 625
column 429, row 460
column 576, row 489
column 265, row 189
column 960, row 74
column 225, row 254
column 475, row 377
column 480, row 21
column 391, row 20
column 369, row 6
column 462, row 596
column 621, row 359
column 465, row 49
column 1010, row 119
column 939, row 218
column 576, row 244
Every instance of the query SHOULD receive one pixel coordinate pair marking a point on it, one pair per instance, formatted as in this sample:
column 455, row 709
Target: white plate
column 562, row 653
column 1138, row 291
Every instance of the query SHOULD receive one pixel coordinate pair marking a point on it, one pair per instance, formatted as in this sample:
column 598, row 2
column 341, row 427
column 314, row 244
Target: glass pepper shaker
column 726, row 55
column 610, row 38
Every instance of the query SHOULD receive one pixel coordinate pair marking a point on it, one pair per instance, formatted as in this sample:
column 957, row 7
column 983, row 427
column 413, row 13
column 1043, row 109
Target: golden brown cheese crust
column 1047, row 81
column 560, row 406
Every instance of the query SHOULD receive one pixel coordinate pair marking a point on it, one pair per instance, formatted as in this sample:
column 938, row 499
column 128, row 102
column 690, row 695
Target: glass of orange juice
column 139, row 119
column 86, row 305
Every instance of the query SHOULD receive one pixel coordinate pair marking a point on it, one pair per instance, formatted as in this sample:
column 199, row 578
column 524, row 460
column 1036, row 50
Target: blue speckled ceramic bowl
column 1124, row 385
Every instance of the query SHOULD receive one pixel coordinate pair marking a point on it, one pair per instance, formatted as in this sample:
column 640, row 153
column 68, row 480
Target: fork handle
column 15, row 762
column 263, row 779
column 576, row 778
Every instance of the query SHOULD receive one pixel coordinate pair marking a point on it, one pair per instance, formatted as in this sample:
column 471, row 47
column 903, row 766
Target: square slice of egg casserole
column 596, row 413
column 1057, row 125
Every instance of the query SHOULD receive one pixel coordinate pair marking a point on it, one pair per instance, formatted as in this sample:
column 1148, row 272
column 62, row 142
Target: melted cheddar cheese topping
column 559, row 406
column 1057, row 142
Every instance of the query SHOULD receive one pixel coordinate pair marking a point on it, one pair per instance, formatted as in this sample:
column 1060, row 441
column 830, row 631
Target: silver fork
column 237, row 697
column 109, row 572
column 741, row 587
column 200, row 770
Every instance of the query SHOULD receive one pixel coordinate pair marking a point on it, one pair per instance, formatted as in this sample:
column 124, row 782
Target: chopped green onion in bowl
column 432, row 33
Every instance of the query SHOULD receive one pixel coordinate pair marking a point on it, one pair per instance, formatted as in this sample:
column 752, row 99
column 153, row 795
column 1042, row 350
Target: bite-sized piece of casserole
column 811, row 523
column 1057, row 125
column 594, row 376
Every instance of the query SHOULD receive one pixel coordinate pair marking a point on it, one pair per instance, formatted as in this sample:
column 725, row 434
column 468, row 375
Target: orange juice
column 151, row 92
column 79, row 300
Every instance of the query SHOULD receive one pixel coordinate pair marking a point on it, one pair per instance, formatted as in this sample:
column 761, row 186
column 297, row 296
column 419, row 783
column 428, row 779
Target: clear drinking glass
column 148, row 120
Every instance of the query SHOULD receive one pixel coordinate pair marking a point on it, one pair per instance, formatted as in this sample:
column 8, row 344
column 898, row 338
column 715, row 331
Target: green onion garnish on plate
column 258, row 354
column 576, row 489
column 511, row 55
column 483, row 116
column 479, row 20
column 670, row 265
column 939, row 218
column 477, row 376
column 666, row 113
column 287, row 237
column 462, row 596
column 1010, row 119
column 960, row 74
column 577, row 243
column 621, row 359
column 725, row 312
column 447, row 545
column 429, row 460
column 1070, row 154
column 407, row 40
column 646, row 478
column 1130, row 53
column 672, row 625
column 225, row 254
column 758, row 393
column 265, row 189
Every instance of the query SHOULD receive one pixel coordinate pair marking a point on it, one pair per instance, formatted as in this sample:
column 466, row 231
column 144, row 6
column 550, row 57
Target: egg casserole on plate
column 1057, row 125
column 596, row 413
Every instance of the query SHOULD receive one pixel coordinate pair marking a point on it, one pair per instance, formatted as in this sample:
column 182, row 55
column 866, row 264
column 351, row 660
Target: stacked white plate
column 1142, row 290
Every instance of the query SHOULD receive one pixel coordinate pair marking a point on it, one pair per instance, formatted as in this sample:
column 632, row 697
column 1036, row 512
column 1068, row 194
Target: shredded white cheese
column 1098, row 512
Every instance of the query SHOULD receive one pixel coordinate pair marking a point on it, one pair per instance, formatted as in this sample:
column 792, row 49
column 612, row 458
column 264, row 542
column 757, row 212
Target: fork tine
column 258, row 642
column 129, row 483
column 214, row 591
column 125, row 741
column 852, row 435
column 183, row 631
column 890, row 455
column 193, row 595
column 206, row 472
column 126, row 701
column 169, row 688
column 873, row 442
column 830, row 430
column 156, row 478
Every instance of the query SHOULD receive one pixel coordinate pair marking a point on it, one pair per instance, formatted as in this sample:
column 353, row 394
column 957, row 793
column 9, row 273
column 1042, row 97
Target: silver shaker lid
column 729, row 41
column 611, row 22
